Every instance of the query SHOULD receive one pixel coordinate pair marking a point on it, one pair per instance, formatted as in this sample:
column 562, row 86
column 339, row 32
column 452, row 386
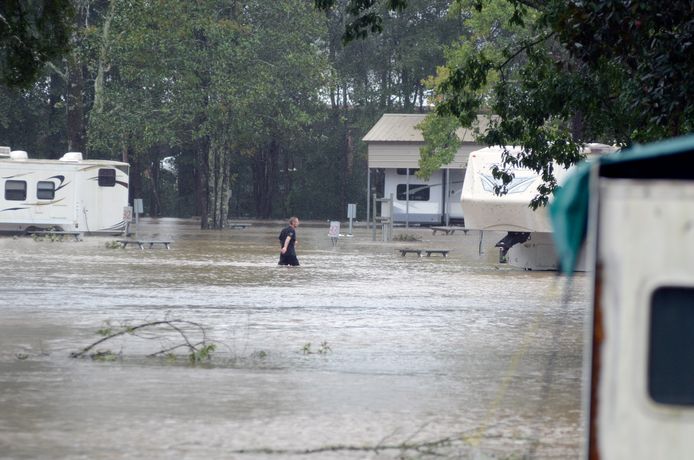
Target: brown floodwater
column 358, row 353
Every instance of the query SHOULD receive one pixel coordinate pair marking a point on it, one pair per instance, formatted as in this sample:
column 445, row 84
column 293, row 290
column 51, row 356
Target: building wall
column 406, row 155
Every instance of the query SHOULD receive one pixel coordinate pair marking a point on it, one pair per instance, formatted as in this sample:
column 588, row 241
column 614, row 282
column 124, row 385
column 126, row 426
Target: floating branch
column 198, row 351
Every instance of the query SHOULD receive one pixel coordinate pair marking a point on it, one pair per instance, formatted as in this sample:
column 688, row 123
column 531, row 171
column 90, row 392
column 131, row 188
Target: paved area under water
column 358, row 353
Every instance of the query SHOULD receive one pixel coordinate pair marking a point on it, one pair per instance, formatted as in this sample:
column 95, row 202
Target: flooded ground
column 358, row 353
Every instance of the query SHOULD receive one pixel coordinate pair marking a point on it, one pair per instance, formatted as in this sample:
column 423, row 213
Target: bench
column 241, row 226
column 141, row 243
column 403, row 252
column 447, row 230
column 76, row 234
column 443, row 252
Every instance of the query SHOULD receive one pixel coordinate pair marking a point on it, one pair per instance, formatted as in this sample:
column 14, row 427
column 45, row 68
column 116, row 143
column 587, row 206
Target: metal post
column 368, row 196
column 447, row 200
column 390, row 221
column 373, row 215
column 407, row 200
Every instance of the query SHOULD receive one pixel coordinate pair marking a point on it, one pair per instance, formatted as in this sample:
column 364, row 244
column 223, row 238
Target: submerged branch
column 173, row 324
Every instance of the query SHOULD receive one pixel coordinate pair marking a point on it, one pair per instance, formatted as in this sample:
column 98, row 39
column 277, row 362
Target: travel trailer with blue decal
column 70, row 194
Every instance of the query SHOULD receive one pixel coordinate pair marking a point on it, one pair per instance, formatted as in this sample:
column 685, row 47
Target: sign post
column 138, row 208
column 351, row 214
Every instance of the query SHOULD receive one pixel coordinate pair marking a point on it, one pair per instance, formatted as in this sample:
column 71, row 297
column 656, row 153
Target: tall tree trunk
column 201, row 181
column 154, row 170
column 220, row 169
column 102, row 66
column 56, row 122
column 265, row 179
column 136, row 171
column 75, row 106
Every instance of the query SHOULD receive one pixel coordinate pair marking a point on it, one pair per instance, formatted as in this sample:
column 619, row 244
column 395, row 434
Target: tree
column 603, row 70
column 31, row 34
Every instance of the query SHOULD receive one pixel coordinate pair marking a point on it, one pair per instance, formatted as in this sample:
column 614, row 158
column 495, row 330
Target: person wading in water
column 288, row 243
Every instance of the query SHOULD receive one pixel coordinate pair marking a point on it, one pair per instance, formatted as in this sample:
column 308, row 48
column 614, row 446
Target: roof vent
column 18, row 155
column 72, row 156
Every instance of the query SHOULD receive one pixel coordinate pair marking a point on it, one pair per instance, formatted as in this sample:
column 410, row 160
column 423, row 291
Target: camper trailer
column 424, row 201
column 70, row 194
column 528, row 241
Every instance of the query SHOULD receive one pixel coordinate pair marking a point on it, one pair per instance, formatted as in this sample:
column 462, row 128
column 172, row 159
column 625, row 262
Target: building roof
column 402, row 127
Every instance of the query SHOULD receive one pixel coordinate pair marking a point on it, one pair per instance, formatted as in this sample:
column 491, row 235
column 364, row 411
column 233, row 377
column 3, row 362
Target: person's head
column 294, row 221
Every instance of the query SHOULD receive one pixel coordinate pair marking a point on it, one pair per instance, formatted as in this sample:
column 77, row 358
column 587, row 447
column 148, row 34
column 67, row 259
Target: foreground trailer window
column 45, row 190
column 107, row 178
column 16, row 190
column 417, row 192
column 671, row 346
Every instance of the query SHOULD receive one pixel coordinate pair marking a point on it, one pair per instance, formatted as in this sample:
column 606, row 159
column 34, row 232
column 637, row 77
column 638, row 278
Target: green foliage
column 114, row 245
column 441, row 143
column 364, row 19
column 593, row 71
column 323, row 349
column 31, row 34
column 201, row 354
column 105, row 330
column 306, row 349
column 555, row 75
column 105, row 355
column 406, row 237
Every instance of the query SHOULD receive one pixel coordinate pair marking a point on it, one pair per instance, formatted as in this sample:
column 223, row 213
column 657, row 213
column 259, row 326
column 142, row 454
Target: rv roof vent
column 18, row 155
column 4, row 151
column 72, row 156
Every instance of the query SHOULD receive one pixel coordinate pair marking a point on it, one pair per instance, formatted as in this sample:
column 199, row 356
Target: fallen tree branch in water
column 462, row 443
column 198, row 351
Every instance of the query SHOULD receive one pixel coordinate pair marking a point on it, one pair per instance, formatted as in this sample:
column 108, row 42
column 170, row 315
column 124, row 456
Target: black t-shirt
column 288, row 231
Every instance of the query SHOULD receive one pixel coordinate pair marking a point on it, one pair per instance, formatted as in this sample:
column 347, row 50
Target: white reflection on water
column 421, row 349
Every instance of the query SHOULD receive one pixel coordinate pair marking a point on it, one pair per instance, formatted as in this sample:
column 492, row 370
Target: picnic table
column 142, row 243
column 447, row 230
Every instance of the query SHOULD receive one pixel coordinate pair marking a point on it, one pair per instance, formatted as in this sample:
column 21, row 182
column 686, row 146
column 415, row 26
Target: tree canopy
column 32, row 32
column 557, row 74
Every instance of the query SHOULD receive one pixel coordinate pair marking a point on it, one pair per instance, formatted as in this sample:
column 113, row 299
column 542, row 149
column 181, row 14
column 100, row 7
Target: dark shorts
column 288, row 259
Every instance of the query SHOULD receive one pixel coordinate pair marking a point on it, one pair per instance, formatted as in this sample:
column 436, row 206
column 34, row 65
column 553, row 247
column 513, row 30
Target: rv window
column 15, row 190
column 403, row 171
column 418, row 192
column 107, row 178
column 671, row 346
column 45, row 190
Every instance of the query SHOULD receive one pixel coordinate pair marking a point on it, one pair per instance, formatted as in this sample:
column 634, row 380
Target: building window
column 45, row 190
column 418, row 192
column 107, row 178
column 403, row 171
column 671, row 346
column 15, row 190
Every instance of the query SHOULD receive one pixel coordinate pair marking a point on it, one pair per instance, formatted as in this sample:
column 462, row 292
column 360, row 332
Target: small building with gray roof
column 393, row 157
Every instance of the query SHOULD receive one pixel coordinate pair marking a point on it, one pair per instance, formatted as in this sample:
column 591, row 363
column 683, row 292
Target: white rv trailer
column 70, row 194
column 528, row 243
